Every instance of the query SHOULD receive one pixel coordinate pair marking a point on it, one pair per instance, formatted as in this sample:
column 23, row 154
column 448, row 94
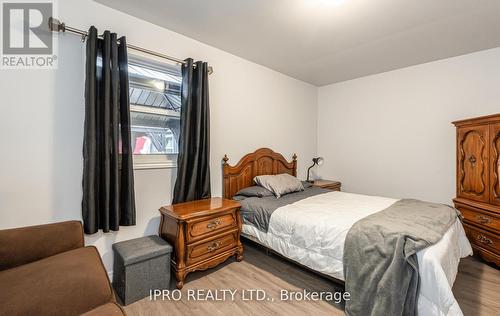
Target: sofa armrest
column 23, row 245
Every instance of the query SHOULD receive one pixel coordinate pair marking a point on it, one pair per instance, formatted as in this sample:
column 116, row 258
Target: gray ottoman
column 141, row 265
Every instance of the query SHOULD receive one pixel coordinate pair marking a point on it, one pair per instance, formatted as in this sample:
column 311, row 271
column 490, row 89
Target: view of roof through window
column 149, row 87
column 155, row 105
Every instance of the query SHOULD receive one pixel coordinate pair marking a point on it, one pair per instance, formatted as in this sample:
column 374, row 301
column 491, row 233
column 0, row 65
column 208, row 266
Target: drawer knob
column 484, row 240
column 213, row 224
column 214, row 246
column 483, row 219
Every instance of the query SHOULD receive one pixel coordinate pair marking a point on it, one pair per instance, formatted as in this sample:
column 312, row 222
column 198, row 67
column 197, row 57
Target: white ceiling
column 327, row 41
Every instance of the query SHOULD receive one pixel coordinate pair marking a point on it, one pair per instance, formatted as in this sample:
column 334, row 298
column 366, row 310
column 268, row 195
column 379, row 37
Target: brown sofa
column 46, row 270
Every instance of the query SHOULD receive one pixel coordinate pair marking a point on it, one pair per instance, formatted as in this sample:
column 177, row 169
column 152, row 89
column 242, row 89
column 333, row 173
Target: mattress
column 258, row 211
column 312, row 232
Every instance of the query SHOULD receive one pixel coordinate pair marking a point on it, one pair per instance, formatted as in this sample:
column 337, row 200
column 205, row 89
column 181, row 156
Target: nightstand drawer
column 205, row 250
column 201, row 228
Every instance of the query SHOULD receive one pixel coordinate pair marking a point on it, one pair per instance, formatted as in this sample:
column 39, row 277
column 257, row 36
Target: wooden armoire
column 478, row 183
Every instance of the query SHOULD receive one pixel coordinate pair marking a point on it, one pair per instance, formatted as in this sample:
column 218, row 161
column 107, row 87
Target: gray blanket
column 380, row 261
column 257, row 211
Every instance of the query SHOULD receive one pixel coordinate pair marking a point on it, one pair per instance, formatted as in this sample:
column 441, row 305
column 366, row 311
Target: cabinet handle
column 472, row 160
column 484, row 240
column 483, row 219
column 213, row 224
column 214, row 246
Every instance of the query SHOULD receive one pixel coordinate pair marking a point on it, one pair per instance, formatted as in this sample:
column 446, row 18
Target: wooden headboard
column 263, row 161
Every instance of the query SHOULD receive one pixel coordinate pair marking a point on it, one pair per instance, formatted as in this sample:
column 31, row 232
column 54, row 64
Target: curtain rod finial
column 56, row 26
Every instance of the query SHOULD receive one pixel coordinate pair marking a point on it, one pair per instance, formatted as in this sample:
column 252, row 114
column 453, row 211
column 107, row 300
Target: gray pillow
column 280, row 184
column 239, row 197
column 254, row 191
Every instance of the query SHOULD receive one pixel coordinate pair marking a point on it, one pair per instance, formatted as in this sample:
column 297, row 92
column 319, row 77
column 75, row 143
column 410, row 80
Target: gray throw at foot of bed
column 380, row 261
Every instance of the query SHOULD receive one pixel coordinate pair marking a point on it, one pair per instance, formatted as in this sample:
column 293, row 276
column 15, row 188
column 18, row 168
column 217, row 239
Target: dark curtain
column 193, row 163
column 108, row 181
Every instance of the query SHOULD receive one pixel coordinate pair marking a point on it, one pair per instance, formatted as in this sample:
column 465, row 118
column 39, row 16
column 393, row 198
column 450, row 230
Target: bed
column 310, row 229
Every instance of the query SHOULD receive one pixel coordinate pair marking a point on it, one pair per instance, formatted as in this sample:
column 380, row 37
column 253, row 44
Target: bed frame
column 263, row 161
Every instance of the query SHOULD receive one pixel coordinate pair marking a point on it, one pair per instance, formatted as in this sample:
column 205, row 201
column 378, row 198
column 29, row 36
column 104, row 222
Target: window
column 155, row 104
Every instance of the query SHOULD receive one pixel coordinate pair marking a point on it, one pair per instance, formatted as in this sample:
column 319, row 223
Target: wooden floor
column 477, row 289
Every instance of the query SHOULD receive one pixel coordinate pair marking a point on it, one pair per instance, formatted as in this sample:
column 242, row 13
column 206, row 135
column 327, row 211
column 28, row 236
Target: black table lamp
column 316, row 161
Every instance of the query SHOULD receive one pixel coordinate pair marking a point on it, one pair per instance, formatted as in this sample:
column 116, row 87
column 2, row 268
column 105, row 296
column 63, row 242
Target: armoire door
column 495, row 164
column 473, row 175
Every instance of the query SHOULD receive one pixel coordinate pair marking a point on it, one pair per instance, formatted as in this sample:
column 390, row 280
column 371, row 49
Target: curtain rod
column 57, row 26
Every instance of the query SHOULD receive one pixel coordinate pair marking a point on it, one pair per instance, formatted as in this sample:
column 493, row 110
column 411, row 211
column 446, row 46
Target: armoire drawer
column 481, row 218
column 483, row 239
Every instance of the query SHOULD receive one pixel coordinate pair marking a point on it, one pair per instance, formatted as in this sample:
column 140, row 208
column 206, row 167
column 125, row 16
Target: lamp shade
column 320, row 161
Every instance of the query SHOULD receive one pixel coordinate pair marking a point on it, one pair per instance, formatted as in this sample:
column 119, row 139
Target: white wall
column 41, row 125
column 390, row 134
column 387, row 134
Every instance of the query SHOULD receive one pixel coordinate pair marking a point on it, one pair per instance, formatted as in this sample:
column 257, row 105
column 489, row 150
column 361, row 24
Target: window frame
column 152, row 161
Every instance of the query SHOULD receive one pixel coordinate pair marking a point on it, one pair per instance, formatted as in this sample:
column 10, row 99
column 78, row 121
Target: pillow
column 254, row 191
column 280, row 184
column 239, row 197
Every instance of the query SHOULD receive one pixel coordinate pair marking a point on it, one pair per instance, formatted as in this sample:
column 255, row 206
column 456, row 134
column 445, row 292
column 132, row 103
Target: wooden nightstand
column 327, row 184
column 204, row 233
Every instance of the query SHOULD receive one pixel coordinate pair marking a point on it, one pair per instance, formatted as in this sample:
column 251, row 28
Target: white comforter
column 312, row 232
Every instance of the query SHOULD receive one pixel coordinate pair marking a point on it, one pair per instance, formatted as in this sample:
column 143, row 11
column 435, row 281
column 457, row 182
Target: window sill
column 155, row 165
column 155, row 161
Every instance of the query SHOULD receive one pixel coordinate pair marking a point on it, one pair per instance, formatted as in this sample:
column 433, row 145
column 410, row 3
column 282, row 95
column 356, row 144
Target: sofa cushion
column 69, row 283
column 23, row 245
column 110, row 309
